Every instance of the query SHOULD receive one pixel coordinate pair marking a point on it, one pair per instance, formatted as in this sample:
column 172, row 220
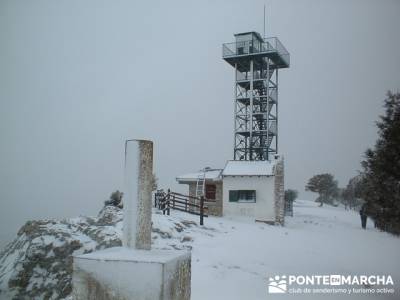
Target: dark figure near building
column 363, row 215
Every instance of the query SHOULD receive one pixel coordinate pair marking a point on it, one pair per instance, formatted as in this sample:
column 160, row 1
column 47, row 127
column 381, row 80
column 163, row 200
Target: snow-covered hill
column 237, row 262
column 232, row 258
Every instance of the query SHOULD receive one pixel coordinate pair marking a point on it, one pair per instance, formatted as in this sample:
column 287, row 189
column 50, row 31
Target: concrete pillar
column 137, row 197
column 134, row 271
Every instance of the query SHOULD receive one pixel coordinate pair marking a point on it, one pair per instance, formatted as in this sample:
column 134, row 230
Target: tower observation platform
column 256, row 62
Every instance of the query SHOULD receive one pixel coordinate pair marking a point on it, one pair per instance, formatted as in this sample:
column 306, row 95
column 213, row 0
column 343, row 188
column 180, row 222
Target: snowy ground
column 233, row 258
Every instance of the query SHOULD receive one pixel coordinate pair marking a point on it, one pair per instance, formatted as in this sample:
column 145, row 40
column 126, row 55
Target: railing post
column 164, row 201
column 168, row 204
column 202, row 210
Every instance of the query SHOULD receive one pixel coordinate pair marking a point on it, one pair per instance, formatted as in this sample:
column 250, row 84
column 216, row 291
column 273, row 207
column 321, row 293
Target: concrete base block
column 127, row 274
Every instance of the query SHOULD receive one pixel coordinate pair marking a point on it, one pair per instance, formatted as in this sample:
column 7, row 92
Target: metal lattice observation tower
column 256, row 62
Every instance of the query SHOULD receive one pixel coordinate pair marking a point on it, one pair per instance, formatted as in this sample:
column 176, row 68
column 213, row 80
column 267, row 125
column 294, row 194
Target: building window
column 242, row 196
column 211, row 190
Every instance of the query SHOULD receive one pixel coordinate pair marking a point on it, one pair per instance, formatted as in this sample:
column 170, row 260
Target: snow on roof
column 213, row 174
column 249, row 168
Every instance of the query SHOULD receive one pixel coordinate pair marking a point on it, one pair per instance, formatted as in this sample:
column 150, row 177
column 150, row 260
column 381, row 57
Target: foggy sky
column 77, row 78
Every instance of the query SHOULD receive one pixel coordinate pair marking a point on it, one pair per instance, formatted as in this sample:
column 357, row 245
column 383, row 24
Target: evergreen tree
column 290, row 195
column 325, row 185
column 352, row 195
column 382, row 169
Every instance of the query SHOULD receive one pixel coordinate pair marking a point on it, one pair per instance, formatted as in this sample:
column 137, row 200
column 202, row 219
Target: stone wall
column 279, row 193
column 192, row 189
column 214, row 207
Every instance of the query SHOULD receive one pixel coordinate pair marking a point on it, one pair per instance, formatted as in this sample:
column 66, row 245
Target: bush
column 115, row 199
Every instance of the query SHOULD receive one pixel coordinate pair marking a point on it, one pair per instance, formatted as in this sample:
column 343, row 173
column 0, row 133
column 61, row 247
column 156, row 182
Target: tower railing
column 257, row 74
column 269, row 45
column 273, row 94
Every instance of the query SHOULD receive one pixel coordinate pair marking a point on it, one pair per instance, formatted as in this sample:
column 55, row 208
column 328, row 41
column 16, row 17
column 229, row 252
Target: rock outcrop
column 38, row 263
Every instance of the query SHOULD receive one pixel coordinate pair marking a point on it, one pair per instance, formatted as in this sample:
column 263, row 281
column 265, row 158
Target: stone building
column 243, row 188
column 212, row 181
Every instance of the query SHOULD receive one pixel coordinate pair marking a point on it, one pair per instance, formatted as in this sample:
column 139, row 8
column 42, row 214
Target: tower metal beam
column 256, row 62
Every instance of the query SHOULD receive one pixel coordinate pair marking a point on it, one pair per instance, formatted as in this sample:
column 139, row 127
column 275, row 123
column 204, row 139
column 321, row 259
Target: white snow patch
column 249, row 168
column 233, row 257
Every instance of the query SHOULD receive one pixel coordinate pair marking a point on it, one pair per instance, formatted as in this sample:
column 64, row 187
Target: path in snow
column 233, row 259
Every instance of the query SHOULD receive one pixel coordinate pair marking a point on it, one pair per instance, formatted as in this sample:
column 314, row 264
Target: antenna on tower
column 264, row 22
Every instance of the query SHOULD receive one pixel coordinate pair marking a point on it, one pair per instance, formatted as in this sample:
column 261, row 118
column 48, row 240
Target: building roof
column 249, row 168
column 212, row 174
column 250, row 32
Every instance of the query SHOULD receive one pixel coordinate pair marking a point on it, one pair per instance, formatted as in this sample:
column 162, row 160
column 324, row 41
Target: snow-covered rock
column 38, row 263
column 232, row 258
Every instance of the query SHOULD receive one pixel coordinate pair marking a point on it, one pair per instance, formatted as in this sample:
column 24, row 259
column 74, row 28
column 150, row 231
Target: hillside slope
column 232, row 258
column 238, row 261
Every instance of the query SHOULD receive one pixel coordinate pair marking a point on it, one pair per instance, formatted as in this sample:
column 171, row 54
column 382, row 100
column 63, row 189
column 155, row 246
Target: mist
column 79, row 78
